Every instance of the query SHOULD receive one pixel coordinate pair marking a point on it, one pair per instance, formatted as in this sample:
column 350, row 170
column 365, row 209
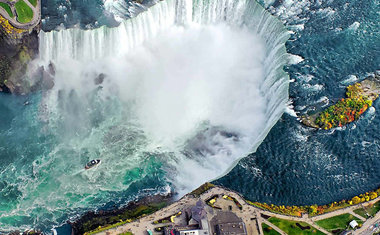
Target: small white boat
column 92, row 164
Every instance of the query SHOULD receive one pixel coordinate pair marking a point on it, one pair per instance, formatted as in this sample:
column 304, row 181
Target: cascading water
column 189, row 88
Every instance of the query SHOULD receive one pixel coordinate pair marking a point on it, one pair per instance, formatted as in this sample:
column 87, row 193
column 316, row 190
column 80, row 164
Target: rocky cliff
column 18, row 47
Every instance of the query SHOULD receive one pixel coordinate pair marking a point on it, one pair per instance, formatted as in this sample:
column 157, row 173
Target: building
column 354, row 224
column 227, row 223
column 197, row 222
column 194, row 232
column 231, row 228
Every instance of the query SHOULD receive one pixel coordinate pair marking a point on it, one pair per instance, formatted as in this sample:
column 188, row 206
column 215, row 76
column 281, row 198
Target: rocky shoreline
column 369, row 88
column 133, row 210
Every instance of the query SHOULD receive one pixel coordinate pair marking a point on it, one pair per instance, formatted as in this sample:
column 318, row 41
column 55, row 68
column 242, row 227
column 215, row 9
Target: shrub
column 372, row 195
column 203, row 188
column 345, row 110
column 356, row 200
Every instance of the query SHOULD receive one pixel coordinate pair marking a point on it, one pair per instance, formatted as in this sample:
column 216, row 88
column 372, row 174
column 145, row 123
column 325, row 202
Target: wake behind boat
column 92, row 164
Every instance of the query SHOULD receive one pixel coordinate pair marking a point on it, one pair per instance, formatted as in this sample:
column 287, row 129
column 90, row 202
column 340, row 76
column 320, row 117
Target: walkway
column 274, row 227
column 344, row 210
column 252, row 216
column 36, row 15
column 368, row 227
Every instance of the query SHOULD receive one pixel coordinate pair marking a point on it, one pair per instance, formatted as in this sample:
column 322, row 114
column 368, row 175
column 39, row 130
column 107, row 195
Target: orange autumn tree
column 345, row 110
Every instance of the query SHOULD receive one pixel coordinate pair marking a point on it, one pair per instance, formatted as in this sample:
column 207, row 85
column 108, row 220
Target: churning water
column 189, row 89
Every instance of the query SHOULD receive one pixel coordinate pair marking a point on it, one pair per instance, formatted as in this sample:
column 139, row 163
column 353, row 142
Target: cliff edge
column 19, row 28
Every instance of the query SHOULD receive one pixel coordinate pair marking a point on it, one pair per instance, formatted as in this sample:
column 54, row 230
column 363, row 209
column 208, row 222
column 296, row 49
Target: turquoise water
column 42, row 166
column 44, row 145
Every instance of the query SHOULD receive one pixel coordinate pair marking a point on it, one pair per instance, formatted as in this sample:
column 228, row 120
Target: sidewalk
column 248, row 214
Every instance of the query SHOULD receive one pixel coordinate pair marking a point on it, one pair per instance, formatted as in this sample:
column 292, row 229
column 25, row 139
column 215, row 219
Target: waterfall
column 250, row 14
column 88, row 45
column 97, row 43
column 173, row 97
column 184, row 12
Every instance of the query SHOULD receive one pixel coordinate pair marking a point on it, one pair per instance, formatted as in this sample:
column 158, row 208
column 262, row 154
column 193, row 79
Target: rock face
column 99, row 79
column 18, row 47
column 359, row 98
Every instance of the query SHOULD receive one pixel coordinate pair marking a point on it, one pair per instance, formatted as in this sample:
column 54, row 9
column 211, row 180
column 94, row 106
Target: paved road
column 368, row 226
column 36, row 15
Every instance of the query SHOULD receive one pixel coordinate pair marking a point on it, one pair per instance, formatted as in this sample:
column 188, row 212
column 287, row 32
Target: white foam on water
column 290, row 109
column 296, row 27
column 350, row 79
column 305, row 78
column 316, row 87
column 323, row 99
column 162, row 122
column 291, row 11
column 326, row 12
column 371, row 110
column 354, row 26
column 295, row 59
column 189, row 89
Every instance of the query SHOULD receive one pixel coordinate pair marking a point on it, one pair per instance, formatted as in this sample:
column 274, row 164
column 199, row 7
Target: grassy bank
column 294, row 227
column 7, row 8
column 268, row 230
column 93, row 222
column 97, row 223
column 24, row 12
column 314, row 210
column 33, row 2
column 370, row 210
column 203, row 188
column 338, row 223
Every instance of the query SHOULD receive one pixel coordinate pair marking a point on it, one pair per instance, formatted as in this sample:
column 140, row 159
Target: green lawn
column 268, row 230
column 7, row 8
column 338, row 222
column 33, row 2
column 361, row 212
column 24, row 12
column 372, row 210
column 290, row 227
